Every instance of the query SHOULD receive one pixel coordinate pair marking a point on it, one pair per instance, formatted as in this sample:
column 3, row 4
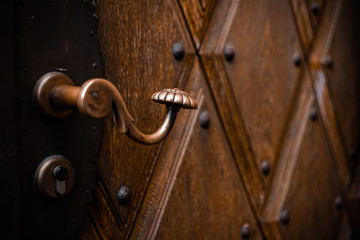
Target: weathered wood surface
column 206, row 183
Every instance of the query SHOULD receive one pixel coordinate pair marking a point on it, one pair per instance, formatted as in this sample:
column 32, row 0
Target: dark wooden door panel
column 197, row 14
column 268, row 106
column 313, row 189
column 196, row 190
column 270, row 153
column 340, row 58
column 212, row 59
column 307, row 16
column 137, row 39
column 263, row 75
column 305, row 200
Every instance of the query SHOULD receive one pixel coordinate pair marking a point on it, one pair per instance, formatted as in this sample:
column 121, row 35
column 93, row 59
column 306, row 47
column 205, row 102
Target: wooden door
column 271, row 151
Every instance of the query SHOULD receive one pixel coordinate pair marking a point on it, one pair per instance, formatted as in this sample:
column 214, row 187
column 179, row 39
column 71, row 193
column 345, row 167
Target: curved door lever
column 56, row 95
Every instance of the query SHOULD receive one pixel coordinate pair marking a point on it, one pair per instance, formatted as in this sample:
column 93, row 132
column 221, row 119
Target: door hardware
column 60, row 174
column 56, row 95
column 55, row 177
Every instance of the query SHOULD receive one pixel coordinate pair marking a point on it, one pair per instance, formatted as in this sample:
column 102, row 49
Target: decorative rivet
column 313, row 114
column 22, row 66
column 352, row 154
column 338, row 202
column 284, row 217
column 124, row 195
column 329, row 62
column 315, row 8
column 92, row 33
column 94, row 129
column 265, row 167
column 229, row 54
column 95, row 65
column 245, row 231
column 204, row 119
column 297, row 59
column 178, row 51
column 32, row 17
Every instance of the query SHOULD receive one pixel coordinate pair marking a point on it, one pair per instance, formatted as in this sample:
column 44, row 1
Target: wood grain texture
column 88, row 231
column 262, row 88
column 106, row 220
column 307, row 16
column 316, row 15
column 287, row 159
column 306, row 182
column 197, row 14
column 165, row 173
column 343, row 77
column 328, row 115
column 313, row 189
column 212, row 60
column 136, row 39
column 303, row 21
column 196, row 183
column 205, row 183
column 336, row 87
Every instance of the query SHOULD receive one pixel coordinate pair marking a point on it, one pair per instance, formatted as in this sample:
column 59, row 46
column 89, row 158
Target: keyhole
column 60, row 174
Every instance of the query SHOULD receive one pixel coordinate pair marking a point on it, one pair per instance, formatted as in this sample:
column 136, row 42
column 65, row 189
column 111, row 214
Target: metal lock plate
column 55, row 177
column 56, row 37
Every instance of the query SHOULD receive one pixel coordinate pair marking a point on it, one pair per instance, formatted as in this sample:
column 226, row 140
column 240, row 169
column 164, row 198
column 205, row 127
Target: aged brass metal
column 55, row 177
column 55, row 94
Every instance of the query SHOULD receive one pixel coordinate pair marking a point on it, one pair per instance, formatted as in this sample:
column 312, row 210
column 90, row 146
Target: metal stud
column 92, row 33
column 352, row 154
column 338, row 202
column 284, row 217
column 329, row 62
column 204, row 119
column 315, row 8
column 178, row 51
column 229, row 54
column 246, row 231
column 123, row 195
column 297, row 59
column 313, row 114
column 265, row 167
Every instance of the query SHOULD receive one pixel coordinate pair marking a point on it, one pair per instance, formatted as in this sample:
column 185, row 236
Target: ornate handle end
column 174, row 99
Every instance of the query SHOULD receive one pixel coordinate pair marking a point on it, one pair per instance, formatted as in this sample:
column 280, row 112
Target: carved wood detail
column 198, row 178
column 260, row 106
column 197, row 14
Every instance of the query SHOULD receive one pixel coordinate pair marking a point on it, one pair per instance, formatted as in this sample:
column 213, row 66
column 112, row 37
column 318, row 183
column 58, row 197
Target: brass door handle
column 56, row 96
